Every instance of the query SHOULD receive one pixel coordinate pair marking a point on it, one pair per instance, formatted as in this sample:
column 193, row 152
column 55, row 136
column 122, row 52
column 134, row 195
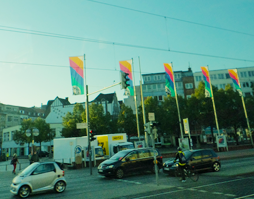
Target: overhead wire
column 47, row 34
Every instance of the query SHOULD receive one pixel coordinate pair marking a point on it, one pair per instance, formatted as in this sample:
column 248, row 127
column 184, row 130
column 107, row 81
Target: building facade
column 220, row 78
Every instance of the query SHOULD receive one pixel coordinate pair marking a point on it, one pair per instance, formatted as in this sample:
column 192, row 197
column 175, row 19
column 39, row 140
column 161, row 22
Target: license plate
column 166, row 169
column 100, row 170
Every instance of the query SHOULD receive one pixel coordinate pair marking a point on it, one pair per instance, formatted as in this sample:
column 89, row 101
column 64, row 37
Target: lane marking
column 129, row 181
column 230, row 195
column 245, row 196
column 191, row 189
column 202, row 191
column 149, row 196
column 217, row 193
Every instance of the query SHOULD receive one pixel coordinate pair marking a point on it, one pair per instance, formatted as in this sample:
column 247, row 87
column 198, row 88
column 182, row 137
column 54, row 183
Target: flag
column 234, row 76
column 208, row 92
column 170, row 80
column 77, row 75
column 125, row 66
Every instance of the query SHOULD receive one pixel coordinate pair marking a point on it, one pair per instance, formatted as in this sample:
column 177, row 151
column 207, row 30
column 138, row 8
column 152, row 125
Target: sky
column 38, row 37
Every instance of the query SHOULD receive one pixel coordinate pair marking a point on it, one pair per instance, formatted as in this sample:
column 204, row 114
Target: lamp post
column 33, row 132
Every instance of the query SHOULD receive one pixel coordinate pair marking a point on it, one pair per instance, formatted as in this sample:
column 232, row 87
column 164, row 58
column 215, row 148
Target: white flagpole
column 135, row 96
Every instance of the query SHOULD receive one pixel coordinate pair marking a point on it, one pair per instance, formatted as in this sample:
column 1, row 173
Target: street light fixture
column 34, row 132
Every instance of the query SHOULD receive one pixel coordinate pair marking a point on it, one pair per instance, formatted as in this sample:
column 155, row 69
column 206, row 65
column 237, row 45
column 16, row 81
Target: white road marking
column 230, row 195
column 217, row 193
column 128, row 181
column 202, row 191
column 245, row 196
column 191, row 189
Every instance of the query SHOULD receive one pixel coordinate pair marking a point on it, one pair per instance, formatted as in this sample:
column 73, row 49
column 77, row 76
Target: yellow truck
column 112, row 143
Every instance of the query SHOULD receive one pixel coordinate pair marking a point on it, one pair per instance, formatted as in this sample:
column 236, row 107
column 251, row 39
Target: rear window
column 61, row 166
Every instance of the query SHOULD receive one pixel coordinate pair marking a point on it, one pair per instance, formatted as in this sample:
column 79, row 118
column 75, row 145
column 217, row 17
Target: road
column 230, row 182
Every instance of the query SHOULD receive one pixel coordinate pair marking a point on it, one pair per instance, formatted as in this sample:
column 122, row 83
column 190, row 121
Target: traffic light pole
column 155, row 160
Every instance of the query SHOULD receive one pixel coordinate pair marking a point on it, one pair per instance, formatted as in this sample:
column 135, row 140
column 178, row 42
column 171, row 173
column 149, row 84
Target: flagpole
column 179, row 116
column 214, row 108
column 87, row 120
column 135, row 96
column 245, row 112
column 142, row 102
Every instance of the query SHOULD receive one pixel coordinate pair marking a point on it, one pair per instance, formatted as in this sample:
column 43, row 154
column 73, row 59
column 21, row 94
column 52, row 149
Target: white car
column 39, row 176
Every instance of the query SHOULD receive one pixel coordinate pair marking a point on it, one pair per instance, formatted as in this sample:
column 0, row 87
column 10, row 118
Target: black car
column 201, row 159
column 130, row 160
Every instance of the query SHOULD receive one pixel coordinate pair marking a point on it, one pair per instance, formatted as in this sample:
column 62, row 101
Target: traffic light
column 91, row 135
column 147, row 128
column 124, row 80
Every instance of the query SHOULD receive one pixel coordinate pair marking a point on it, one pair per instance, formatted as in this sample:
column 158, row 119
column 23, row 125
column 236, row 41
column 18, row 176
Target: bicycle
column 189, row 172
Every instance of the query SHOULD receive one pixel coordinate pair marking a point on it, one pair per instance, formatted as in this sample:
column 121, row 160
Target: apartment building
column 220, row 78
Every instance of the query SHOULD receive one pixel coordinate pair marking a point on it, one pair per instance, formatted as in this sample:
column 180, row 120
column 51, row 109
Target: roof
column 105, row 97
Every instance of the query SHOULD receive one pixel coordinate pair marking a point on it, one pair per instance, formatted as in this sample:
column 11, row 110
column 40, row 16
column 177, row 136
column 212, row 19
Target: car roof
column 195, row 150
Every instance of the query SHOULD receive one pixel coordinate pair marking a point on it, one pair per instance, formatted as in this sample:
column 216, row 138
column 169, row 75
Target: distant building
column 220, row 78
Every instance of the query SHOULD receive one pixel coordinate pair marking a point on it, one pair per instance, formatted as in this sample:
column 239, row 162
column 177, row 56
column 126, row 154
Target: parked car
column 130, row 160
column 201, row 159
column 43, row 153
column 39, row 177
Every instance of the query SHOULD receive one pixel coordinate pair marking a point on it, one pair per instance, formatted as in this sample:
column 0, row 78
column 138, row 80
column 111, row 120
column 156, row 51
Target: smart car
column 130, row 160
column 200, row 159
column 37, row 177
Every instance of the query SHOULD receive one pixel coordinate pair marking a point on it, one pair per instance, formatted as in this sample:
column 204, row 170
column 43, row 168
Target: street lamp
column 34, row 132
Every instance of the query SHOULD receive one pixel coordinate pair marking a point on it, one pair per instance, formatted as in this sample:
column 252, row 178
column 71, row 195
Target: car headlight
column 110, row 167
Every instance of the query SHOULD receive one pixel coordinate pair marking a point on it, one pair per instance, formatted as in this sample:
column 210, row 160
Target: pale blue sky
column 31, row 85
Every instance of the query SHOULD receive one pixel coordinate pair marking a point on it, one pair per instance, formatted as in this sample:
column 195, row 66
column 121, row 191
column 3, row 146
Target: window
column 144, row 153
column 227, row 76
column 243, row 74
column 154, row 87
column 12, row 134
column 159, row 86
column 159, row 77
column 220, row 76
column 247, row 94
column 16, row 119
column 251, row 73
column 149, row 87
column 198, row 78
column 160, row 98
column 197, row 155
column 245, row 84
column 148, row 78
column 189, row 86
column 177, row 76
column 214, row 76
column 179, row 85
column 144, row 87
column 207, row 154
column 155, row 77
column 133, row 155
column 188, row 96
column 9, row 118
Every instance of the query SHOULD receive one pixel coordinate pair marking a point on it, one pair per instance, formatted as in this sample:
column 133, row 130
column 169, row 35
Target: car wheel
column 119, row 173
column 216, row 167
column 24, row 191
column 60, row 186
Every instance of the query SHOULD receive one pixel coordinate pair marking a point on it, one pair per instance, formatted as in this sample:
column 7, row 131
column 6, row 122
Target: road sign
column 186, row 126
column 151, row 117
column 81, row 125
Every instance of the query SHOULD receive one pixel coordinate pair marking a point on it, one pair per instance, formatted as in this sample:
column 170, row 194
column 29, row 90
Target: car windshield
column 28, row 169
column 99, row 152
column 119, row 155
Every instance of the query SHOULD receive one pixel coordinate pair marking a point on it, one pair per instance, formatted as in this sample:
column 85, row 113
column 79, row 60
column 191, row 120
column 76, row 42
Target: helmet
column 179, row 149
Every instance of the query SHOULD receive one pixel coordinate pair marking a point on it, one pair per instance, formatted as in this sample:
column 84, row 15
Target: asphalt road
column 230, row 182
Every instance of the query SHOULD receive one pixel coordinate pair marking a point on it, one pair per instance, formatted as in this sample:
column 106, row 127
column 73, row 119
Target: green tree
column 127, row 121
column 71, row 119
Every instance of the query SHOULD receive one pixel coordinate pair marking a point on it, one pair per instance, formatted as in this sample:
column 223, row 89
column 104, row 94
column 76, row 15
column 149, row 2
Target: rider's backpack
column 182, row 158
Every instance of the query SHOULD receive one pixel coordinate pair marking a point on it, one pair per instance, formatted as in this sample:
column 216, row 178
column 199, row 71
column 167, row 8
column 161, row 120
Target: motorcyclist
column 182, row 162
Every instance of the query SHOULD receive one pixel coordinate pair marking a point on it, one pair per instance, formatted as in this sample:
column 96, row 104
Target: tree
column 127, row 120
column 71, row 119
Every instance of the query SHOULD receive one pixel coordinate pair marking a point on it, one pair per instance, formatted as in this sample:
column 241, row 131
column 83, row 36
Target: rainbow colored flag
column 170, row 80
column 126, row 67
column 77, row 75
column 234, row 76
column 208, row 92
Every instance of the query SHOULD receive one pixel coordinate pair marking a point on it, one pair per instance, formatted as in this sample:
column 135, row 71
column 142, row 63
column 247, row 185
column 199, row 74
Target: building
column 10, row 120
column 220, row 78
